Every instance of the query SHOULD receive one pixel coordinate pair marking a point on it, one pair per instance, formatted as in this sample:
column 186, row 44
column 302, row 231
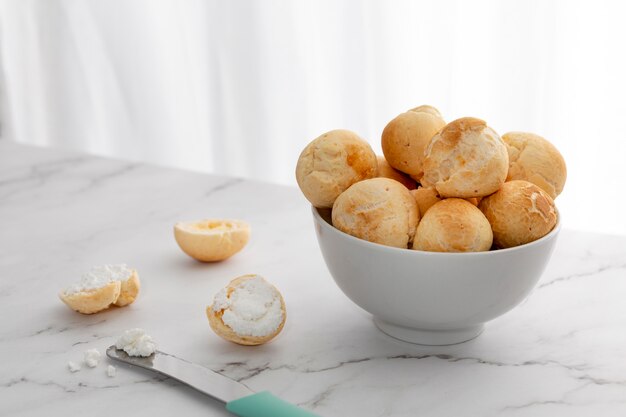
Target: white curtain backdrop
column 239, row 87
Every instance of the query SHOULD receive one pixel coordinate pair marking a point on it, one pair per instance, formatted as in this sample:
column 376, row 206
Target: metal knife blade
column 198, row 377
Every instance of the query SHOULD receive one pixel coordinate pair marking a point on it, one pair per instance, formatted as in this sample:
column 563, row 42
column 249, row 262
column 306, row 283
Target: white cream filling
column 136, row 342
column 252, row 309
column 100, row 276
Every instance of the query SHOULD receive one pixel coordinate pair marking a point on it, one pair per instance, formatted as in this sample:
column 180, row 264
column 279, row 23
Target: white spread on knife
column 136, row 342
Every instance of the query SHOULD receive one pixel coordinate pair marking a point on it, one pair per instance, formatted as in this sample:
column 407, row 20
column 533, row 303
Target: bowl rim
column 319, row 219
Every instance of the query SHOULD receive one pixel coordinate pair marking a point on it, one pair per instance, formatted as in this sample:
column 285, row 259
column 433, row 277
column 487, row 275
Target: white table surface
column 561, row 353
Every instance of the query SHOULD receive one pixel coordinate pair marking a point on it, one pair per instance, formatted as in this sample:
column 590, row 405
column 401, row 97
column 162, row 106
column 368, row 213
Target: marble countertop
column 561, row 353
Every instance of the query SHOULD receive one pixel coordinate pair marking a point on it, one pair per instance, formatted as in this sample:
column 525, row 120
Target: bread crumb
column 73, row 366
column 111, row 371
column 92, row 357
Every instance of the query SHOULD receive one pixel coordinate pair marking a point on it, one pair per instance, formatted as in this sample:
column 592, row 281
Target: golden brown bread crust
column 425, row 198
column 331, row 163
column 405, row 138
column 455, row 130
column 129, row 290
column 425, row 108
column 465, row 159
column 534, row 159
column 453, row 225
column 387, row 171
column 212, row 240
column 520, row 212
column 379, row 210
column 92, row 301
column 224, row 331
column 413, row 214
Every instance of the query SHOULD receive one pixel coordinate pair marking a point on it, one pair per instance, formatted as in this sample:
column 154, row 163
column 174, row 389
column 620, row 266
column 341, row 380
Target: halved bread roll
column 101, row 287
column 248, row 311
column 94, row 300
column 212, row 240
column 129, row 290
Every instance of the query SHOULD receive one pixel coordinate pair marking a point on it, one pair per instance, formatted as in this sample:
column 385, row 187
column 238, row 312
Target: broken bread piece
column 101, row 287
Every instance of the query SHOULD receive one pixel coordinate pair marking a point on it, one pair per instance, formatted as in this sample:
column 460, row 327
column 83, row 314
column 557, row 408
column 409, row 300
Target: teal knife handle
column 264, row 404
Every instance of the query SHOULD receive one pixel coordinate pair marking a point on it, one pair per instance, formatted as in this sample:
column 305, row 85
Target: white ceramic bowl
column 431, row 298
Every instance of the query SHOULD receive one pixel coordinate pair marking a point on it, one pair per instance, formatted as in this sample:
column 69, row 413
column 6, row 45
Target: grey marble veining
column 561, row 353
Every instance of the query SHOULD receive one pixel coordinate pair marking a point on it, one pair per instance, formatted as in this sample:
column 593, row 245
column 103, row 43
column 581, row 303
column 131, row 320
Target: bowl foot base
column 429, row 337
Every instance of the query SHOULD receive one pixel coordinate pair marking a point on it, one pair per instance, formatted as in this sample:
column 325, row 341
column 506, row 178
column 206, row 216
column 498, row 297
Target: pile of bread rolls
column 455, row 187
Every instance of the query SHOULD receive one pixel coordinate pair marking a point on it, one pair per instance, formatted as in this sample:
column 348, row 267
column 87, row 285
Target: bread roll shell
column 379, row 210
column 453, row 225
column 387, row 171
column 92, row 301
column 520, row 212
column 405, row 138
column 331, row 163
column 534, row 159
column 466, row 159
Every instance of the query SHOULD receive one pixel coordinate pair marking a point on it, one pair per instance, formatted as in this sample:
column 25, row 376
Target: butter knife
column 239, row 399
